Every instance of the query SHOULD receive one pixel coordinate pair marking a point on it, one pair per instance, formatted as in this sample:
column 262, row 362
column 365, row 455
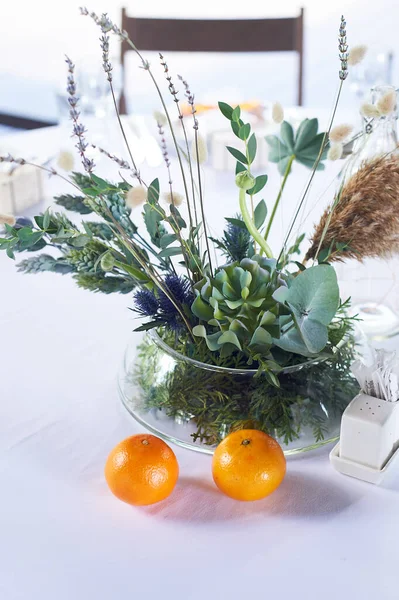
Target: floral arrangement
column 255, row 308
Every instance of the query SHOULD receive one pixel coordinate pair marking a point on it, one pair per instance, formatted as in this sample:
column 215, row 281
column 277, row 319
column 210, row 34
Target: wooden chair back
column 198, row 35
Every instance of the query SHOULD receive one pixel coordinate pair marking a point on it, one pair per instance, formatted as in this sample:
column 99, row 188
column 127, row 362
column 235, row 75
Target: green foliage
column 44, row 262
column 238, row 306
column 87, row 259
column 100, row 230
column 312, row 299
column 304, row 145
column 220, row 402
column 235, row 240
column 73, row 203
column 105, row 283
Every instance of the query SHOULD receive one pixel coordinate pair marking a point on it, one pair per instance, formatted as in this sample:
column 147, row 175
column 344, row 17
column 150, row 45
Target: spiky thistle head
column 146, row 303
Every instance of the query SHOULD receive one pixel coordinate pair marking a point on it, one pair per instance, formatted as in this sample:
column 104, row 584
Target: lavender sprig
column 106, row 25
column 121, row 162
column 104, row 43
column 343, row 50
column 78, row 129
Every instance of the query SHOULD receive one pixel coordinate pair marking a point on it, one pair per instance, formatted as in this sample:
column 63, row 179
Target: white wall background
column 35, row 35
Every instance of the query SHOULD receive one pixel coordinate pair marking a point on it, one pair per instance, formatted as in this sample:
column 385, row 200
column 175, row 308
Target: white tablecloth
column 64, row 536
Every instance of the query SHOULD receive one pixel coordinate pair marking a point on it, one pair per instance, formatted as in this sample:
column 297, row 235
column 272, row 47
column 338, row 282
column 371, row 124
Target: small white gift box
column 369, row 442
column 20, row 188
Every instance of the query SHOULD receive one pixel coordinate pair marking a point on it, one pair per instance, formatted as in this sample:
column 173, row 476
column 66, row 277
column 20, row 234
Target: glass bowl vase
column 195, row 405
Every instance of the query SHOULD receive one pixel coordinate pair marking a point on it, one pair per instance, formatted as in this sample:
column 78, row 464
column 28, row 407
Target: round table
column 64, row 536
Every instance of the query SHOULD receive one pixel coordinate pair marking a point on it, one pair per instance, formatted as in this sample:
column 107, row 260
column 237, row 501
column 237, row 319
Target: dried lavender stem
column 201, row 198
column 167, row 163
column 51, row 171
column 106, row 25
column 190, row 100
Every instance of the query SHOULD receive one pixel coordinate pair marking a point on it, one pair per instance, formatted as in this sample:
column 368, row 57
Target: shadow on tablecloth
column 299, row 496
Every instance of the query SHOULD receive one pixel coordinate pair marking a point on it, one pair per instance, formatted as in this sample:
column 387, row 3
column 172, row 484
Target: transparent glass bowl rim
column 158, row 341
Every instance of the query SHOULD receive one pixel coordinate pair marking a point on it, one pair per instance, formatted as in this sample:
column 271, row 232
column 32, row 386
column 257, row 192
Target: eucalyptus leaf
column 236, row 222
column 240, row 168
column 171, row 251
column 244, row 131
column 252, row 148
column 226, row 110
column 153, row 192
column 237, row 154
column 313, row 299
column 46, row 219
column 236, row 128
column 260, row 214
column 167, row 239
column 235, row 115
column 261, row 181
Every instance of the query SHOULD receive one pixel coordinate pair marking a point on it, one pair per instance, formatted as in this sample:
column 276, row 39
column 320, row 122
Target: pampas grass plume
column 202, row 156
column 277, row 113
column 173, row 198
column 335, row 152
column 339, row 133
column 387, row 103
column 356, row 54
column 7, row 220
column 136, row 196
column 365, row 217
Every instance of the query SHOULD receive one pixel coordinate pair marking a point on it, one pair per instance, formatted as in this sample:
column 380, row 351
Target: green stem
column 251, row 225
column 277, row 202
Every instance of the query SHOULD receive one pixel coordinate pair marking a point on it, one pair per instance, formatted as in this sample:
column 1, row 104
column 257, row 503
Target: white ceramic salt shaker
column 369, row 442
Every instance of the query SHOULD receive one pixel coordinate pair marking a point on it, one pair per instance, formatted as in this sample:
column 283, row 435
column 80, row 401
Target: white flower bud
column 339, row 133
column 277, row 113
column 356, row 54
column 202, row 150
column 160, row 118
column 136, row 196
column 173, row 198
column 335, row 152
column 387, row 103
column 7, row 220
column 65, row 160
column 370, row 111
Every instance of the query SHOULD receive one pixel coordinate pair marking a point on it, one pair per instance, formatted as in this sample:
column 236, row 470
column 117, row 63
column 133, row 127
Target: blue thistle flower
column 179, row 288
column 146, row 303
column 236, row 241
